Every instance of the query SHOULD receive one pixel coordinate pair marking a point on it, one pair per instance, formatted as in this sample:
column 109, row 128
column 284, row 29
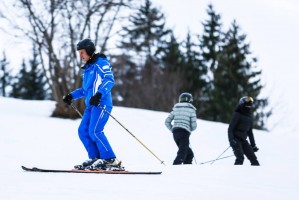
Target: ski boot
column 86, row 164
column 113, row 164
column 109, row 164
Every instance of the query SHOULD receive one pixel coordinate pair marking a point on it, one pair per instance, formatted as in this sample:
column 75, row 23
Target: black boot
column 85, row 164
column 255, row 163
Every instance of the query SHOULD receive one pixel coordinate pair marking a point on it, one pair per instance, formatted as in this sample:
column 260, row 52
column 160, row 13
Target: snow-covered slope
column 30, row 137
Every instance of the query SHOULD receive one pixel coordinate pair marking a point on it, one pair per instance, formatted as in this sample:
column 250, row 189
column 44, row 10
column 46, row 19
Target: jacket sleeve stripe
column 96, row 83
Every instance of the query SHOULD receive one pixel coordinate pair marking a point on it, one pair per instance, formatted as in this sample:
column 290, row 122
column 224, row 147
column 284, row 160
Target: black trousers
column 185, row 154
column 244, row 148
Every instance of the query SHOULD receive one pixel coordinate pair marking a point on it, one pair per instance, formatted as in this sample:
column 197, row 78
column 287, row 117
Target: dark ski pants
column 244, row 148
column 185, row 154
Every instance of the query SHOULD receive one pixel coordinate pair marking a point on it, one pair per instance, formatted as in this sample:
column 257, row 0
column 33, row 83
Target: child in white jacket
column 181, row 122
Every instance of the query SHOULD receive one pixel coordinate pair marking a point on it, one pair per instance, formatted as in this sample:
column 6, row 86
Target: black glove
column 233, row 143
column 255, row 149
column 95, row 100
column 67, row 99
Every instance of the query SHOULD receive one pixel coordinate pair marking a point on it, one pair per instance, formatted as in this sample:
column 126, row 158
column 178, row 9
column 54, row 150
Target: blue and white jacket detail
column 97, row 78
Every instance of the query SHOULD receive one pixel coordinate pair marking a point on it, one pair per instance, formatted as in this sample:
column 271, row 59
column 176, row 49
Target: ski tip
column 27, row 168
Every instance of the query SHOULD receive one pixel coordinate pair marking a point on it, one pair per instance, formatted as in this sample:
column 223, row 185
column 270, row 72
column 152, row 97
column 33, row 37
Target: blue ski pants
column 91, row 132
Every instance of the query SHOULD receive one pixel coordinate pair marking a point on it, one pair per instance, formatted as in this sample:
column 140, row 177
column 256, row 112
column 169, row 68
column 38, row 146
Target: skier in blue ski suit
column 98, row 80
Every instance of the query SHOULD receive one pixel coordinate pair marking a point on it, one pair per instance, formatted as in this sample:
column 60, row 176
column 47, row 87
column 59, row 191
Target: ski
column 35, row 169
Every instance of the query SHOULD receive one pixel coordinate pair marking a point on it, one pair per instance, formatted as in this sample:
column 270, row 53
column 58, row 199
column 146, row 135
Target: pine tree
column 38, row 89
column 171, row 56
column 196, row 73
column 210, row 41
column 17, row 86
column 173, row 78
column 5, row 76
column 29, row 84
column 127, row 73
column 235, row 76
column 146, row 29
column 210, row 46
column 140, row 41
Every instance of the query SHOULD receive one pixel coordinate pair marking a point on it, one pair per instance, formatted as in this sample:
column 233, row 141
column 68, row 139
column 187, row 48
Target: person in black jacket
column 239, row 129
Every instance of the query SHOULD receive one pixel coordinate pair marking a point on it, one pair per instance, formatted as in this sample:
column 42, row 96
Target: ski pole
column 220, row 155
column 75, row 108
column 215, row 160
column 162, row 162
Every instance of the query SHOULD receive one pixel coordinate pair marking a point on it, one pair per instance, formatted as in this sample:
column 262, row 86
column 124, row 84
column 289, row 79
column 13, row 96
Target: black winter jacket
column 240, row 127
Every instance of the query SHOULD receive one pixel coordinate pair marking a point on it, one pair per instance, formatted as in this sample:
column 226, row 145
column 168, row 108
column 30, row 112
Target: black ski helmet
column 186, row 97
column 246, row 101
column 88, row 45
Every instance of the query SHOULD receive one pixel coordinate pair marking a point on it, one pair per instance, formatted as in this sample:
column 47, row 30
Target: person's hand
column 95, row 100
column 255, row 149
column 67, row 99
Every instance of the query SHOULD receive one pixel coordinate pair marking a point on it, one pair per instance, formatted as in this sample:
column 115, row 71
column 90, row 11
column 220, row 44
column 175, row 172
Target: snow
column 30, row 137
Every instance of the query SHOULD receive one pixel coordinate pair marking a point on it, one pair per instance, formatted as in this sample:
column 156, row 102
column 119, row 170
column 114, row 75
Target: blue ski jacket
column 97, row 78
